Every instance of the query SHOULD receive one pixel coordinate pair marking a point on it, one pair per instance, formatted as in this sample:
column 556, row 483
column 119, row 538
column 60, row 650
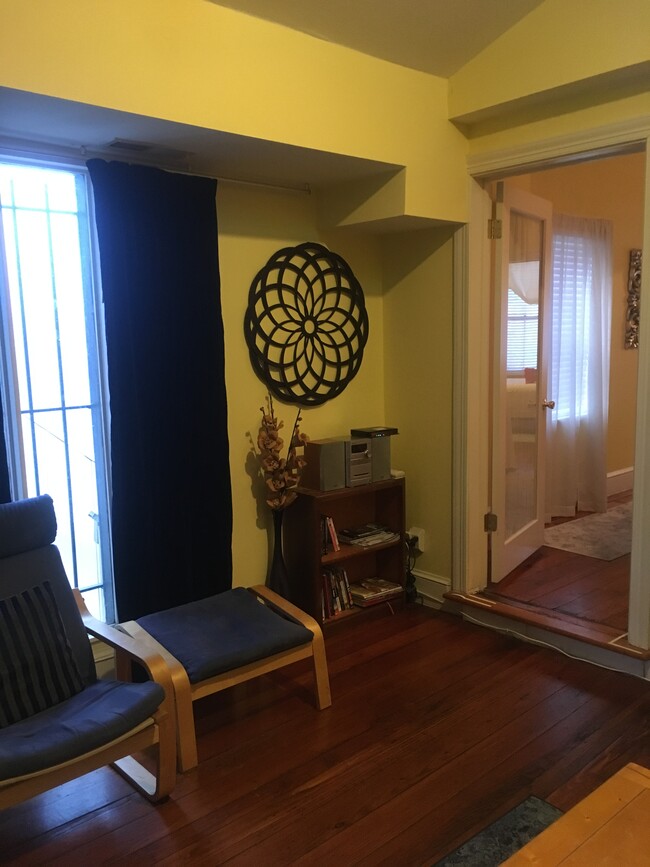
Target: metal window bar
column 64, row 414
column 94, row 340
column 23, row 322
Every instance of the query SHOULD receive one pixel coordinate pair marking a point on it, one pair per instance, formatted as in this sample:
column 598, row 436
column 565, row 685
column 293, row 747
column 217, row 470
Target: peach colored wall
column 610, row 189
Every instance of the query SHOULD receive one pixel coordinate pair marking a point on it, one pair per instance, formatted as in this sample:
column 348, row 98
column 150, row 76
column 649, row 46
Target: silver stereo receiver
column 358, row 462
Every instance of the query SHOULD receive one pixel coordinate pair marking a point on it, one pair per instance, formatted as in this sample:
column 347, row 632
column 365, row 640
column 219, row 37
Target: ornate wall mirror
column 633, row 299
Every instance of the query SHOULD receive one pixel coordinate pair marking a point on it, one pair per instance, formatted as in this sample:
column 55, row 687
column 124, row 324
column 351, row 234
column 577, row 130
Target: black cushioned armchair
column 57, row 720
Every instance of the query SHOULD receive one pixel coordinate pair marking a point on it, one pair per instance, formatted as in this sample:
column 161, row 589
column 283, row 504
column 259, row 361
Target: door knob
column 548, row 404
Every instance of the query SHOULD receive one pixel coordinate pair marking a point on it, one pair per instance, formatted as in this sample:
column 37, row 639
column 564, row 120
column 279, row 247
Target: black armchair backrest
column 28, row 557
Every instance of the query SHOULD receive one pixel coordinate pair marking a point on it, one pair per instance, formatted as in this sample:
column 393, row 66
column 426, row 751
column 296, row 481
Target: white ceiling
column 435, row 36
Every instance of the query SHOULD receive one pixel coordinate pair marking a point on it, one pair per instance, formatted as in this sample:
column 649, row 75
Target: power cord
column 410, row 543
column 528, row 640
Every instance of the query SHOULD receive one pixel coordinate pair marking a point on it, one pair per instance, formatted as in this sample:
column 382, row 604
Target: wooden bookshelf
column 378, row 502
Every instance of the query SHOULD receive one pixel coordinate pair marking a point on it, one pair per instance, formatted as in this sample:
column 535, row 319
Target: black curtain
column 172, row 507
column 5, row 489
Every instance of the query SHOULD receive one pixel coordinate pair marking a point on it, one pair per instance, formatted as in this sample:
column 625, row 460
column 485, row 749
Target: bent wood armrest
column 186, row 750
column 155, row 787
column 319, row 658
column 274, row 600
column 152, row 662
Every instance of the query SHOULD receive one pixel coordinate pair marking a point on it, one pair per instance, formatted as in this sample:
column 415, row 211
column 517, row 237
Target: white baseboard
column 572, row 647
column 431, row 587
column 620, row 481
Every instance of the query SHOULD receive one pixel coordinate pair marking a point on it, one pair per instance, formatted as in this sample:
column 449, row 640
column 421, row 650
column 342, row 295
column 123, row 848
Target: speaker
column 325, row 470
column 380, row 458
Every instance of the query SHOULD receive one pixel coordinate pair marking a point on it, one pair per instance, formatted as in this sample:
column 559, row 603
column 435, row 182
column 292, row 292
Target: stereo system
column 347, row 462
column 358, row 462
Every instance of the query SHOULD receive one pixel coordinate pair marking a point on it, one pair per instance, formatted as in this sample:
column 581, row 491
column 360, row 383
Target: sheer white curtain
column 576, row 474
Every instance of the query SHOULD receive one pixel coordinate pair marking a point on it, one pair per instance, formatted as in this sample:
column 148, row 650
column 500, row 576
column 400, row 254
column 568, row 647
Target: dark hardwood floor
column 569, row 584
column 437, row 728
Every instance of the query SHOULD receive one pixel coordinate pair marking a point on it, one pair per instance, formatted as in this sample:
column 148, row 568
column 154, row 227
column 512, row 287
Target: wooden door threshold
column 535, row 622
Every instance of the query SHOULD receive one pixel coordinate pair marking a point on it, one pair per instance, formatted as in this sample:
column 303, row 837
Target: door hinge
column 490, row 522
column 495, row 227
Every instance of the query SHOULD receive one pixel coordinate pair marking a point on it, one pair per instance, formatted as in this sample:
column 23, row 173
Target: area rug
column 503, row 838
column 604, row 535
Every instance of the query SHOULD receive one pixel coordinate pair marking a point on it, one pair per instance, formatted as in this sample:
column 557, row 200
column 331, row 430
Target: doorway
column 574, row 586
column 627, row 191
column 590, row 593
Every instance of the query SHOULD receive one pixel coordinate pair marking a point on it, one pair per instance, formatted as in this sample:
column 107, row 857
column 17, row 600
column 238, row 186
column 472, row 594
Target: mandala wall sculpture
column 306, row 324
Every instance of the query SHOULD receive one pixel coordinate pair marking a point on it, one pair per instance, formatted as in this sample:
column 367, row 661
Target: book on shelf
column 332, row 533
column 329, row 540
column 370, row 591
column 362, row 530
column 367, row 535
column 336, row 595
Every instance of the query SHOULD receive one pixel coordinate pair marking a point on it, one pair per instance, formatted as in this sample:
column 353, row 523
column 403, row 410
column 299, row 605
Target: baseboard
column 572, row 647
column 620, row 481
column 431, row 588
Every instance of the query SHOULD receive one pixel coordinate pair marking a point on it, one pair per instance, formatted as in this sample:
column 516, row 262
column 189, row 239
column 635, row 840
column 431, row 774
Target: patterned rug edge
column 505, row 836
column 603, row 535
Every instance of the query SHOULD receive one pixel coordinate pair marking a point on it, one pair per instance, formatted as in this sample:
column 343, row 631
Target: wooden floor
column 437, row 728
column 572, row 586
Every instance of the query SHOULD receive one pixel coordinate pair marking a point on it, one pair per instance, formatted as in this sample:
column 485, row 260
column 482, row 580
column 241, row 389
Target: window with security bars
column 52, row 366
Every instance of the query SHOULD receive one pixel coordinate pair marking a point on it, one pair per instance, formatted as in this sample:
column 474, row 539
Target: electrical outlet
column 421, row 537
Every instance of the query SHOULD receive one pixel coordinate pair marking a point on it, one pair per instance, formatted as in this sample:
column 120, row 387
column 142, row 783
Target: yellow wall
column 556, row 50
column 610, row 189
column 193, row 62
column 418, row 309
column 404, row 380
column 253, row 224
column 630, row 112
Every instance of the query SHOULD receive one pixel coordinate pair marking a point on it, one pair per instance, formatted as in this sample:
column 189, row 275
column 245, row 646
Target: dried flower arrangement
column 282, row 475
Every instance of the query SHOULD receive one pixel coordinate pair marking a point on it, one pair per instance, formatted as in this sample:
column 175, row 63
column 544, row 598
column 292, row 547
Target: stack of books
column 336, row 596
column 370, row 591
column 367, row 535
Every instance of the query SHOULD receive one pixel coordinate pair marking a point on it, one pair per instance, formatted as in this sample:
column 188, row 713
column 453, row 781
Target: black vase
column 278, row 579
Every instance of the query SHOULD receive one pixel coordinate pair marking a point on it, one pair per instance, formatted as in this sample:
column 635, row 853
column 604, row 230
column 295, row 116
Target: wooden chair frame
column 159, row 730
column 185, row 693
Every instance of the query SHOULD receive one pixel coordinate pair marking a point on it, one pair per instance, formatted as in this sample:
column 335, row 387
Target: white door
column 522, row 260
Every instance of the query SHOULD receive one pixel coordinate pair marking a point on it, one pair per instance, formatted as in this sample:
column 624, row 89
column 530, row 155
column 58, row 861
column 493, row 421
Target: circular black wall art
column 306, row 324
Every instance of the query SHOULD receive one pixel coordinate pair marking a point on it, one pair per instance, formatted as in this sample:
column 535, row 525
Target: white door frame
column 471, row 403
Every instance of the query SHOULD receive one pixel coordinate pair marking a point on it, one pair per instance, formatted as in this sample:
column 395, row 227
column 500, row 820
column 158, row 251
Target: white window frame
column 13, row 432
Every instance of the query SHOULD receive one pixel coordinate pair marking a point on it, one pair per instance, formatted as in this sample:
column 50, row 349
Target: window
column 522, row 334
column 571, row 325
column 51, row 366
